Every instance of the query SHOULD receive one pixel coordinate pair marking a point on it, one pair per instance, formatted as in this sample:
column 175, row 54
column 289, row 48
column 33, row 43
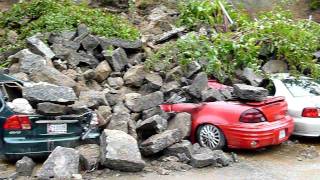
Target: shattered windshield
column 302, row 87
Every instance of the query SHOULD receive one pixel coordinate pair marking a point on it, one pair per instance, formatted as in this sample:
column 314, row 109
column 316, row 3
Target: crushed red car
column 237, row 124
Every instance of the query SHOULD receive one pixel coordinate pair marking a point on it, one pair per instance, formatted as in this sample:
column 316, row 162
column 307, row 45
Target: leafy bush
column 314, row 4
column 28, row 18
column 273, row 36
column 206, row 12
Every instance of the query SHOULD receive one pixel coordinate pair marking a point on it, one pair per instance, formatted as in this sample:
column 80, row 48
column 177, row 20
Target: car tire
column 210, row 136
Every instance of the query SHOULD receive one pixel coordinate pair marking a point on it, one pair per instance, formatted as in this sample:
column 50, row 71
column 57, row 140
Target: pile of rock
column 76, row 71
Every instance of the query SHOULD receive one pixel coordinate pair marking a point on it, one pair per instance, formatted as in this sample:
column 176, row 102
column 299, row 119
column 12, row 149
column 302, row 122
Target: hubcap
column 210, row 136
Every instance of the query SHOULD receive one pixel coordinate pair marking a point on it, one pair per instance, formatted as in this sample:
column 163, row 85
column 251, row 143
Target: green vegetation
column 274, row 35
column 28, row 18
column 314, row 4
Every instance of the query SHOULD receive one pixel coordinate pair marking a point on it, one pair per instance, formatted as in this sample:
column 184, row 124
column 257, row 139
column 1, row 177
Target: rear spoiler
column 269, row 100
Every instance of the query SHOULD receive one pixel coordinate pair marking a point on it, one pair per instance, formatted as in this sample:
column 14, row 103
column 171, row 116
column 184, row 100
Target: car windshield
column 302, row 87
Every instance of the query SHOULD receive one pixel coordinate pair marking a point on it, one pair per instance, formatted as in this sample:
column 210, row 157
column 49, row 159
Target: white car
column 303, row 97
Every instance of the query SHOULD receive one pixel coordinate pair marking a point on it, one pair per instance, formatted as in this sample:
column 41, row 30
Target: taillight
column 17, row 122
column 310, row 112
column 252, row 116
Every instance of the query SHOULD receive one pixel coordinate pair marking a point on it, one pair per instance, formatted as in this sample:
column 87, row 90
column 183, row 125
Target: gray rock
column 137, row 103
column 74, row 59
column 89, row 74
column 28, row 61
column 115, row 82
column 103, row 71
column 119, row 121
column 248, row 75
column 317, row 55
column 119, row 60
column 211, row 95
column 44, row 92
column 227, row 93
column 159, row 142
column 169, row 87
column 136, row 59
column 89, row 43
column 135, row 76
column 114, row 97
column 104, row 113
column 125, row 44
column 93, row 98
column 82, row 29
column 221, row 158
column 174, row 74
column 25, row 166
column 20, row 105
column 120, row 107
column 21, row 76
column 62, row 52
column 89, row 156
column 176, row 99
column 192, row 68
column 250, row 93
column 52, row 76
column 62, row 163
column 199, row 84
column 168, row 35
column 183, row 147
column 39, row 47
column 275, row 66
column 153, row 125
column 181, row 121
column 154, row 111
column 202, row 160
column 60, row 37
column 47, row 108
column 154, row 81
column 120, row 151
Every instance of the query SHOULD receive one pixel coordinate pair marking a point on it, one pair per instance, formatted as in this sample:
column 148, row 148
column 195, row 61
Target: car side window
column 269, row 85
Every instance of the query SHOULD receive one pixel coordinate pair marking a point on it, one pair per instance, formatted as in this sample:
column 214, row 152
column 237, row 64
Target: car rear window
column 302, row 87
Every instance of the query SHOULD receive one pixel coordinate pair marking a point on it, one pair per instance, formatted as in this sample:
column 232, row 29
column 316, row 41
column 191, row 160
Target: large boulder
column 47, row 108
column 181, row 121
column 21, row 105
column 89, row 43
column 115, row 82
column 121, row 43
column 199, row 84
column 119, row 60
column 159, row 142
column 74, row 59
column 39, row 47
column 154, row 111
column 249, row 76
column 103, row 71
column 104, row 113
column 151, row 126
column 250, row 93
column 135, row 76
column 275, row 66
column 28, row 61
column 89, row 156
column 53, row 76
column 25, row 166
column 120, row 151
column 154, row 81
column 192, row 68
column 62, row 163
column 180, row 148
column 137, row 103
column 119, row 121
column 93, row 98
column 44, row 92
column 211, row 95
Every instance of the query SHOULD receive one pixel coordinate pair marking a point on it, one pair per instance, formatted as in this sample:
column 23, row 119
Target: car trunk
column 43, row 127
column 273, row 108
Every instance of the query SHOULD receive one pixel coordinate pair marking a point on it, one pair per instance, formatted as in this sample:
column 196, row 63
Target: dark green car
column 38, row 135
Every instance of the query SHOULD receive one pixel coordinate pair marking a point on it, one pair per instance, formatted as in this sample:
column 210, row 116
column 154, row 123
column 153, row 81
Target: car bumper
column 253, row 136
column 307, row 127
column 40, row 147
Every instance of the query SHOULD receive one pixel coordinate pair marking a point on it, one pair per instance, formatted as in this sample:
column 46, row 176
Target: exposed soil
column 6, row 4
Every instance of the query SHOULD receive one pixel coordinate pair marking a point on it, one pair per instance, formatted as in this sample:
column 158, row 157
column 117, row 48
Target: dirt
column 278, row 162
column 6, row 4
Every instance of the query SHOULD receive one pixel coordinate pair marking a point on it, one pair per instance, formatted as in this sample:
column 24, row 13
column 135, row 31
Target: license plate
column 57, row 128
column 282, row 134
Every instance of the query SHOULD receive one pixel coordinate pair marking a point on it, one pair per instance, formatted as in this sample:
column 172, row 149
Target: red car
column 235, row 124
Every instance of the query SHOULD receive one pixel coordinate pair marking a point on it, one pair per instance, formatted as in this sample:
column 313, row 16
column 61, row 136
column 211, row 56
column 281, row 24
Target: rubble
column 159, row 142
column 178, row 149
column 45, row 92
column 89, row 156
column 199, row 84
column 93, row 98
column 25, row 166
column 62, row 163
column 134, row 76
column 168, row 35
column 251, row 93
column 47, row 108
column 181, row 121
column 137, row 103
column 248, row 75
column 120, row 151
column 275, row 66
column 103, row 71
column 39, row 47
column 151, row 126
column 119, row 60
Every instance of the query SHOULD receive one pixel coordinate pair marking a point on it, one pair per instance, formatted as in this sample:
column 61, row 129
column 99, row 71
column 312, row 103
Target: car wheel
column 210, row 136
